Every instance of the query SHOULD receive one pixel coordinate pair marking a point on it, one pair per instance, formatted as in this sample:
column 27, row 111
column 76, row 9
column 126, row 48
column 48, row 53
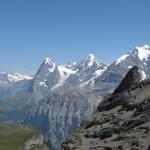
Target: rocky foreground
column 121, row 122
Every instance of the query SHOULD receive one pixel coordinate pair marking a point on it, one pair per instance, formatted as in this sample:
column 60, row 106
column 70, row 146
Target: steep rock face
column 122, row 121
column 59, row 115
column 45, row 78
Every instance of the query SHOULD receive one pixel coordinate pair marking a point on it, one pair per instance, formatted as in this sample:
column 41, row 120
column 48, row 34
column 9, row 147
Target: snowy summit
column 143, row 52
column 90, row 60
column 48, row 61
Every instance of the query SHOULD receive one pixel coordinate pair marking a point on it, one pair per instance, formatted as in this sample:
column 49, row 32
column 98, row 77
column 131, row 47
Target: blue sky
column 67, row 30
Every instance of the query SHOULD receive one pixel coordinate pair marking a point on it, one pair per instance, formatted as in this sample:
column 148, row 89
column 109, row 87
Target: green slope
column 13, row 136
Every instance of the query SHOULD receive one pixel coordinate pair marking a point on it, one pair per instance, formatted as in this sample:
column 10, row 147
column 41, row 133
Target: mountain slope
column 140, row 57
column 60, row 114
column 19, row 137
column 12, row 84
column 122, row 120
column 86, row 72
column 36, row 99
column 65, row 102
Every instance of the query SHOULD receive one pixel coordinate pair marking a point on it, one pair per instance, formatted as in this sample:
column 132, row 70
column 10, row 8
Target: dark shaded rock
column 122, row 92
column 146, row 82
column 130, row 81
column 130, row 124
column 143, row 107
column 107, row 148
column 105, row 134
column 102, row 134
column 113, row 101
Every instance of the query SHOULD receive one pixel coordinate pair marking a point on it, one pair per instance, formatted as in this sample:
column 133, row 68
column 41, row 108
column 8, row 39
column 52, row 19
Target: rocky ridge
column 42, row 100
column 121, row 122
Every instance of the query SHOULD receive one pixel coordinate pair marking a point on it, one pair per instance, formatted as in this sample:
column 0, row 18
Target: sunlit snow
column 120, row 59
column 143, row 52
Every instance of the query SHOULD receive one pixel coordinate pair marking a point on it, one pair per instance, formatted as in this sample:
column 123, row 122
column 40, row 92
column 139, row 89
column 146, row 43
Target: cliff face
column 121, row 122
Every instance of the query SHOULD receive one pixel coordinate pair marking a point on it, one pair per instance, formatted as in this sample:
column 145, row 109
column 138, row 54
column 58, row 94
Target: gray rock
column 122, row 121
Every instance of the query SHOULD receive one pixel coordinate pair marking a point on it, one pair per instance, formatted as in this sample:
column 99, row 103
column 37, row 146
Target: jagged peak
column 89, row 60
column 90, row 56
column 48, row 61
column 46, row 67
column 142, row 52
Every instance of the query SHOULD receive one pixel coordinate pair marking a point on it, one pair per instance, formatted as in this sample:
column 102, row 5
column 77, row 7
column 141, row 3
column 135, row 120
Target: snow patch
column 99, row 72
column 91, row 81
column 91, row 59
column 43, row 84
column 64, row 74
column 17, row 77
column 52, row 68
column 120, row 59
column 143, row 52
column 143, row 75
column 48, row 61
column 130, row 67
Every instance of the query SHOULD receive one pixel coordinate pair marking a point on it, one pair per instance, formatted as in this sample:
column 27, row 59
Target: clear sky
column 67, row 30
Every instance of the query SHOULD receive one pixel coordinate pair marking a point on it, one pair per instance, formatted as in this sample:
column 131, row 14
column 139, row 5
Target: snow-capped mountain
column 60, row 114
column 12, row 84
column 69, row 100
column 45, row 78
column 140, row 57
column 86, row 71
column 59, row 97
column 6, row 78
column 51, row 77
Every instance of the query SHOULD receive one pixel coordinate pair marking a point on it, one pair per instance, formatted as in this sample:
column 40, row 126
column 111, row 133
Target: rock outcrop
column 121, row 122
column 130, row 81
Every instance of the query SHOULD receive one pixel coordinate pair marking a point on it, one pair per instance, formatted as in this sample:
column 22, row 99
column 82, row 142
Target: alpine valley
column 59, row 97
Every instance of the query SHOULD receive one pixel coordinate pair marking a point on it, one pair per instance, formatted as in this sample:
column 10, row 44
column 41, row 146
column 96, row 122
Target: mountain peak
column 90, row 56
column 46, row 67
column 49, row 65
column 48, row 61
column 147, row 46
column 142, row 52
column 89, row 60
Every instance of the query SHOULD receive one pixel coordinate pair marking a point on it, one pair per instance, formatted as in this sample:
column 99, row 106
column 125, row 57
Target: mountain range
column 59, row 97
